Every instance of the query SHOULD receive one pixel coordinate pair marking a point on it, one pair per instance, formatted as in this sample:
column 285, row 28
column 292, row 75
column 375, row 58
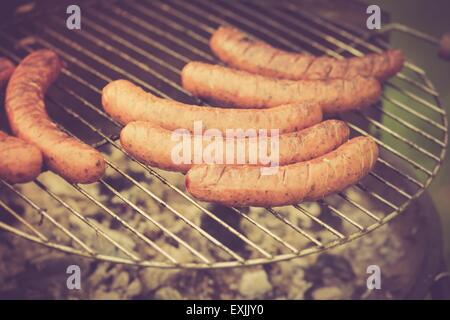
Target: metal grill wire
column 148, row 43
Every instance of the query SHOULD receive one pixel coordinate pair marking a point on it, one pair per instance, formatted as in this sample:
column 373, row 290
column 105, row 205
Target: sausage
column 20, row 162
column 246, row 90
column 126, row 102
column 25, row 107
column 238, row 50
column 304, row 181
column 6, row 70
column 154, row 146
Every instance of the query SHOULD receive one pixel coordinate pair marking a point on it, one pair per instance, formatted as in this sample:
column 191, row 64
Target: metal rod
column 170, row 23
column 152, row 29
column 97, row 230
column 140, row 36
column 156, row 223
column 340, row 214
column 294, row 227
column 22, row 220
column 320, row 222
column 44, row 214
column 383, row 127
column 102, row 61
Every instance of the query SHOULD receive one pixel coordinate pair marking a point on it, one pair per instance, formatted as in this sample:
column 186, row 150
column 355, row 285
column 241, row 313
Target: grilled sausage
column 304, row 181
column 126, row 102
column 6, row 70
column 19, row 161
column 246, row 90
column 25, row 107
column 235, row 48
column 154, row 146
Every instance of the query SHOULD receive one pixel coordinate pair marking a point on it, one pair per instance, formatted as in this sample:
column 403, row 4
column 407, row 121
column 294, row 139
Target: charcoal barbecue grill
column 148, row 43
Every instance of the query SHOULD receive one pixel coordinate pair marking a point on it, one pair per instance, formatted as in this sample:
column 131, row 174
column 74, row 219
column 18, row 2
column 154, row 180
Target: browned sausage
column 6, row 70
column 25, row 106
column 154, row 146
column 247, row 90
column 304, row 181
column 126, row 102
column 237, row 49
column 19, row 161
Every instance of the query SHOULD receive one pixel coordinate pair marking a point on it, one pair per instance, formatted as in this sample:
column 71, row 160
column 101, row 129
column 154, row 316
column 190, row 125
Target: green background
column 432, row 17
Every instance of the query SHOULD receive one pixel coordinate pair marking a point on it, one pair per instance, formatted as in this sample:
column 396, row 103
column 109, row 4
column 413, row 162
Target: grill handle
column 443, row 43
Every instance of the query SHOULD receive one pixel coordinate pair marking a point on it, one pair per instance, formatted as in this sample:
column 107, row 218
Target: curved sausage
column 6, row 70
column 25, row 107
column 247, row 90
column 304, row 181
column 20, row 162
column 154, row 146
column 238, row 50
column 126, row 102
